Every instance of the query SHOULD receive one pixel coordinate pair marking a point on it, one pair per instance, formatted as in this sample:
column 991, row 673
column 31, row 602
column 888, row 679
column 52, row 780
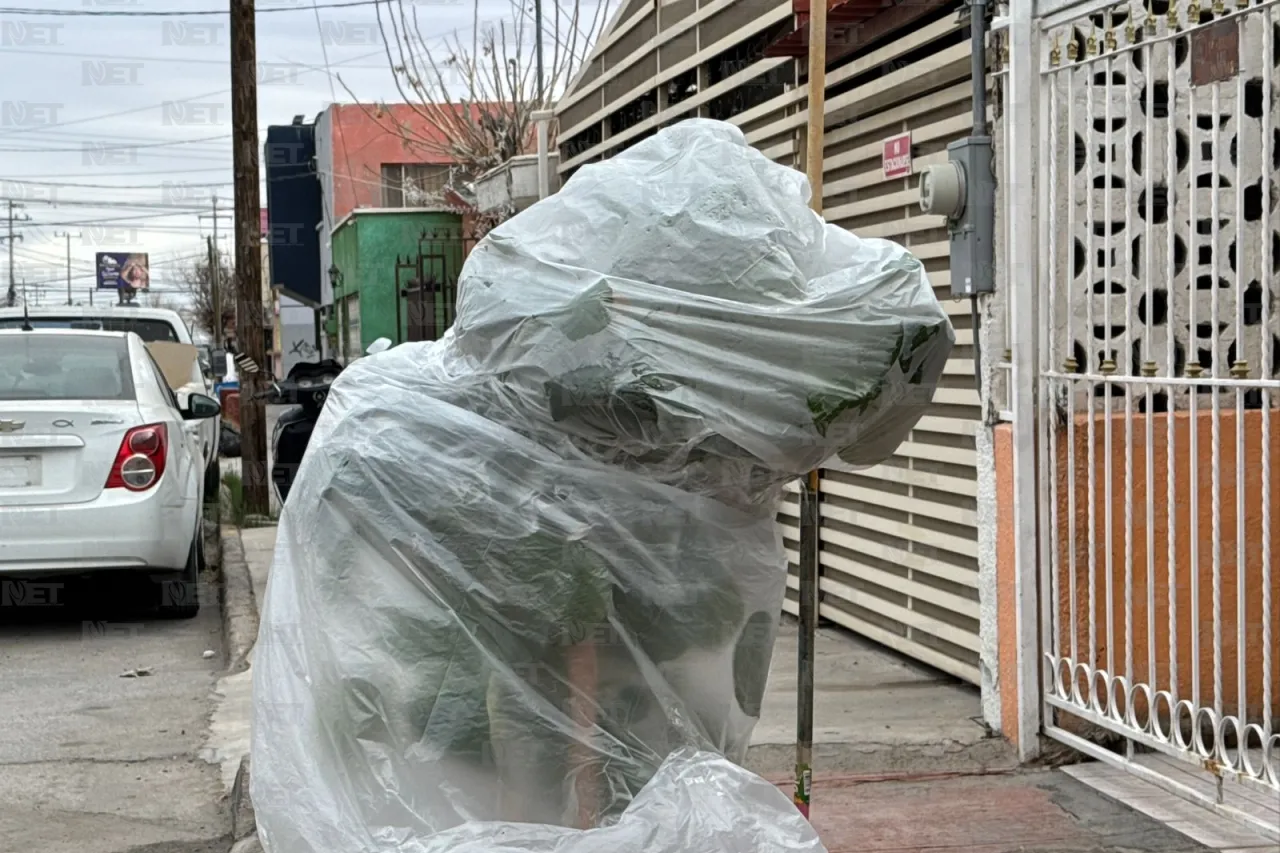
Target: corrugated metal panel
column 899, row 541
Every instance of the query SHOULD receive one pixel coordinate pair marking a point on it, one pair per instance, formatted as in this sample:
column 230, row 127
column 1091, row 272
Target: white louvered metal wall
column 899, row 542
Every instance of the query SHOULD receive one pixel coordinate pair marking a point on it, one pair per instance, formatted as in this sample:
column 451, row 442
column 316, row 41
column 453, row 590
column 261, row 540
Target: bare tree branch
column 197, row 282
column 474, row 104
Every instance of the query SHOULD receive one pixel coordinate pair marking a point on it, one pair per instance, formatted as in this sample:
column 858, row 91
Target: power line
column 107, row 203
column 92, row 136
column 45, row 128
column 175, row 170
column 30, row 254
column 75, row 185
column 120, row 13
column 112, row 115
column 184, row 60
column 128, row 218
column 117, row 146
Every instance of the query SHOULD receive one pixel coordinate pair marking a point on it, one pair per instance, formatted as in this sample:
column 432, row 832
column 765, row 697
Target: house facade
column 1080, row 526
column 378, row 186
column 383, row 256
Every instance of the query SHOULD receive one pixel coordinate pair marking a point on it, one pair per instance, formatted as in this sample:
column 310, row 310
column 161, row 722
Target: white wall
column 297, row 334
column 324, row 165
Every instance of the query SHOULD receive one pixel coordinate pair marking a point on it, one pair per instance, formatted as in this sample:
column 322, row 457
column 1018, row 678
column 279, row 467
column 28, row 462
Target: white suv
column 150, row 324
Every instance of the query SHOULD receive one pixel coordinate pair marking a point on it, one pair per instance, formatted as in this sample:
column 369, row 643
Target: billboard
column 123, row 271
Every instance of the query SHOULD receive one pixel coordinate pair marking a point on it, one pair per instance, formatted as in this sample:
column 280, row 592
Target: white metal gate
column 1146, row 351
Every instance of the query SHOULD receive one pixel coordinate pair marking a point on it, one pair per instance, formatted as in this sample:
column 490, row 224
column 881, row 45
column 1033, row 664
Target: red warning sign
column 896, row 159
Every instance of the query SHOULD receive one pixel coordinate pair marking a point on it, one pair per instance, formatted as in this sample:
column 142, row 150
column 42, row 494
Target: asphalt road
column 93, row 762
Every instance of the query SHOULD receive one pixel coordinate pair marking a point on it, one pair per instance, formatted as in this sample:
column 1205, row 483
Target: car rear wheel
column 180, row 592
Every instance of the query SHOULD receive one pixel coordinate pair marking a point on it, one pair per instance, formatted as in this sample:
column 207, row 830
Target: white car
column 100, row 466
column 151, row 324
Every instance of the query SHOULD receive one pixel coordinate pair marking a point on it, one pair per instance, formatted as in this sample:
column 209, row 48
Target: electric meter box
column 964, row 191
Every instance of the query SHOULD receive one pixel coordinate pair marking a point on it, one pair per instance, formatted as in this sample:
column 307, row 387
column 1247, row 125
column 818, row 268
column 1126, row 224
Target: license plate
column 17, row 472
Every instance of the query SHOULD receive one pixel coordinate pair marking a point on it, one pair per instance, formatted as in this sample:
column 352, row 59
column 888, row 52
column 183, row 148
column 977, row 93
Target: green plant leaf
column 588, row 313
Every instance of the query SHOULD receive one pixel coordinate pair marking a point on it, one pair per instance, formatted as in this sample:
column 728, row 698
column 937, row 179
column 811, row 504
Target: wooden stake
column 808, row 608
column 583, row 681
column 817, row 98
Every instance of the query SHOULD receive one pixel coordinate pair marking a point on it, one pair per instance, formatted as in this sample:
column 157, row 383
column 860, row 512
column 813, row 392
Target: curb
column 239, row 633
column 239, row 609
column 984, row 756
column 243, row 822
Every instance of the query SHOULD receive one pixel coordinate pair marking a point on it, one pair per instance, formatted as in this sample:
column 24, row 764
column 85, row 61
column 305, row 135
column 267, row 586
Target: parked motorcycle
column 306, row 388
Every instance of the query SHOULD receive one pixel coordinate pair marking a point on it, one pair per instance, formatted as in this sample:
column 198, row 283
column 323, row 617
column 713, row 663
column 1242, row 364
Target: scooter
column 307, row 388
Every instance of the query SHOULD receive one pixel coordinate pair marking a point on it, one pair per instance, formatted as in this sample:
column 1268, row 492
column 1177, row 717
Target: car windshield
column 64, row 367
column 147, row 329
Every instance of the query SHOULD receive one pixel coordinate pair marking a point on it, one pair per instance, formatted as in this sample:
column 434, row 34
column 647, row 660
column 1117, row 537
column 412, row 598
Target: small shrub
column 233, row 503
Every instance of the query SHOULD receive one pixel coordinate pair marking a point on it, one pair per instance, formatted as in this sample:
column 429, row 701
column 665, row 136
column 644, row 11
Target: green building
column 381, row 257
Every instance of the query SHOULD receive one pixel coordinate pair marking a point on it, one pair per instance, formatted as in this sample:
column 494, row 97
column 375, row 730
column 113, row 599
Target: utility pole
column 13, row 287
column 215, row 279
column 809, row 495
column 249, row 342
column 69, row 235
column 215, row 292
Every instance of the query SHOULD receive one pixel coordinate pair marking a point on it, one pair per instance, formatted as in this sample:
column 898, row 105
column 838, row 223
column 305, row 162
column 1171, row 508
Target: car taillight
column 140, row 461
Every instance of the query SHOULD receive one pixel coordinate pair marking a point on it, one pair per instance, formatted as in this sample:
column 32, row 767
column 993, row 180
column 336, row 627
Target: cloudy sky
column 116, row 126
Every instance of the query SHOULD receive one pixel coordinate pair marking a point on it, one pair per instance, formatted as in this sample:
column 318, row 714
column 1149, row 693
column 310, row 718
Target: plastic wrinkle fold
column 528, row 580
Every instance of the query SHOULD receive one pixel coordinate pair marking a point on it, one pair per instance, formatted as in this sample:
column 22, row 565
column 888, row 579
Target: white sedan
column 100, row 468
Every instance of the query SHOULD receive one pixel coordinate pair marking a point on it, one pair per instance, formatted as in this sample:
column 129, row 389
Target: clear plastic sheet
column 527, row 583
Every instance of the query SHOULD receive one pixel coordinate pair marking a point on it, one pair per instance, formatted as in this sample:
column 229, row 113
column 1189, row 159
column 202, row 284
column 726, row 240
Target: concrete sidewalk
column 902, row 763
column 1042, row 811
column 874, row 712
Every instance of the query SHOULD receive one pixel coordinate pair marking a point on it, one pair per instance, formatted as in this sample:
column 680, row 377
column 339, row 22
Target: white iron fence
column 1153, row 363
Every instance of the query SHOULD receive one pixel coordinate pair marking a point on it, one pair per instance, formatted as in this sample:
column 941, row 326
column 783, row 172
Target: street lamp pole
column 537, row 41
column 542, row 117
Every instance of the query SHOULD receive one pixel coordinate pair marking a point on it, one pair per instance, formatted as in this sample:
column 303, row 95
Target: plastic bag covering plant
column 528, row 580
